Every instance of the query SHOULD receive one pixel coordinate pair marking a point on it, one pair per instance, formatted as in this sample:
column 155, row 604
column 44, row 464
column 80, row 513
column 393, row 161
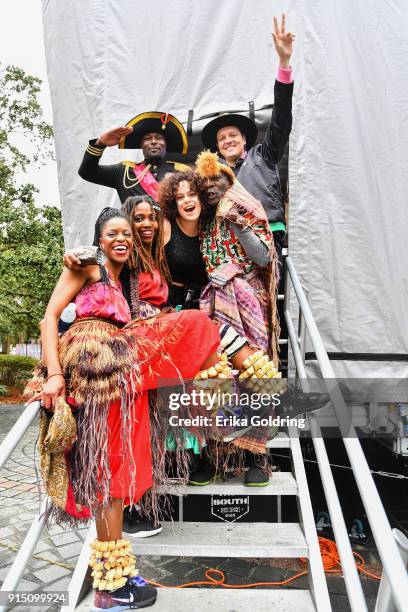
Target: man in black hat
column 156, row 134
column 233, row 136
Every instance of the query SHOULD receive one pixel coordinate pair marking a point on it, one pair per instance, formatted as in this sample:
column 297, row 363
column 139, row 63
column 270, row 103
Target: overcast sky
column 21, row 44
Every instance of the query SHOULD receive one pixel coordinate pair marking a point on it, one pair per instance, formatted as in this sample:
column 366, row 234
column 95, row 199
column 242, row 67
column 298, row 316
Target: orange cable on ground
column 331, row 564
column 331, row 559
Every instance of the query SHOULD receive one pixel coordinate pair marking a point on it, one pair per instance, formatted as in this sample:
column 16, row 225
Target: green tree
column 31, row 242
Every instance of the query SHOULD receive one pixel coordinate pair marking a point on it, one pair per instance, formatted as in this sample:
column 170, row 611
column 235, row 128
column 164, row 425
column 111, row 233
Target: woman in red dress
column 104, row 365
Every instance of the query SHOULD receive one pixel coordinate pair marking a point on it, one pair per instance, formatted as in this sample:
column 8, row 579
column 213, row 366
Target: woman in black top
column 182, row 209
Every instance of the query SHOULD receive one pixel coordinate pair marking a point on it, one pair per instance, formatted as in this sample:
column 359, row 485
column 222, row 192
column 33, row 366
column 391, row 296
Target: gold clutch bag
column 61, row 432
column 57, row 435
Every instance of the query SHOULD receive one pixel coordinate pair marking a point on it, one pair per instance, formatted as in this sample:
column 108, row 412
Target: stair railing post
column 24, row 554
column 385, row 601
column 386, row 545
column 17, row 431
column 352, row 580
column 78, row 577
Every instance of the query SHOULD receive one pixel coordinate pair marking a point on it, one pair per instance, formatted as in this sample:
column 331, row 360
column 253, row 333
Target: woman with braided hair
column 89, row 366
column 145, row 280
column 146, row 283
column 147, row 277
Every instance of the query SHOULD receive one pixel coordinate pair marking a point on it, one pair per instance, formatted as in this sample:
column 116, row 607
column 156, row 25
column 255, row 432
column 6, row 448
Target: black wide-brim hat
column 244, row 124
column 161, row 123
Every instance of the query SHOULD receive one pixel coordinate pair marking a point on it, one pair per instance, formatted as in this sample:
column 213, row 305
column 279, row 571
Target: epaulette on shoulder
column 129, row 163
column 179, row 167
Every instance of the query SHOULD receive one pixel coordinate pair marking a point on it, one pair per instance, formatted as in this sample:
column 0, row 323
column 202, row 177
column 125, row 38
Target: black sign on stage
column 229, row 508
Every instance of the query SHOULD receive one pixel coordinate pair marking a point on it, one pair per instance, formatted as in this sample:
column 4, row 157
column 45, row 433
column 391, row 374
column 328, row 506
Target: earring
column 100, row 256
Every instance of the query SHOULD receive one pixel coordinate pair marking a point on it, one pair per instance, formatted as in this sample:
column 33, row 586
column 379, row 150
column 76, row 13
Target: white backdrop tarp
column 348, row 177
column 108, row 60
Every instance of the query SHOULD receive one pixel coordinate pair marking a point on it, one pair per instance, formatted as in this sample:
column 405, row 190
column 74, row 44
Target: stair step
column 281, row 483
column 227, row 600
column 282, row 440
column 265, row 540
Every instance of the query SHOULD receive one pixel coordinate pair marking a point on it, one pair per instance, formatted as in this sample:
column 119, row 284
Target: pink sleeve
column 285, row 75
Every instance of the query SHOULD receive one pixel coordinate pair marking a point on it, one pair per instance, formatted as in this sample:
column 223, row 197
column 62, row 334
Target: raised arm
column 79, row 257
column 280, row 126
column 90, row 169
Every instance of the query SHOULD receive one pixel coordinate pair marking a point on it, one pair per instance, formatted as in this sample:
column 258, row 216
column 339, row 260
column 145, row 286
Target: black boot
column 139, row 526
column 294, row 402
column 205, row 474
column 255, row 475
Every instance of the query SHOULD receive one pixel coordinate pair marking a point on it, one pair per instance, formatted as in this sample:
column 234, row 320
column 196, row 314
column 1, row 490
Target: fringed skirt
column 109, row 372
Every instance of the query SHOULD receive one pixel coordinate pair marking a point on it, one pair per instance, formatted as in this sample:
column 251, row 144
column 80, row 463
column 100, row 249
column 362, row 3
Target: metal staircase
column 267, row 540
column 259, row 540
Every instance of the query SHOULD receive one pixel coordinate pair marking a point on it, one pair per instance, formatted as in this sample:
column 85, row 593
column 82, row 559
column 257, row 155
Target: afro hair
column 207, row 166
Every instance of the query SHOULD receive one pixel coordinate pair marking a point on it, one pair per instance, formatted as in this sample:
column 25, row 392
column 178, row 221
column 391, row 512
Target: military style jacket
column 122, row 176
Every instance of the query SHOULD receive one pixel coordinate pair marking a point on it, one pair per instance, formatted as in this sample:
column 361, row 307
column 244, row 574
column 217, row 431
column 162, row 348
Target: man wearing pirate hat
column 233, row 137
column 156, row 134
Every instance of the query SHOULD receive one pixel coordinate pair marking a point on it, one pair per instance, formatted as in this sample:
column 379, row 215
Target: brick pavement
column 19, row 503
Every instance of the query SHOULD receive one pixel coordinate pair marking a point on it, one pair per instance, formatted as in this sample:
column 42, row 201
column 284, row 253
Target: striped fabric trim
column 231, row 341
column 94, row 151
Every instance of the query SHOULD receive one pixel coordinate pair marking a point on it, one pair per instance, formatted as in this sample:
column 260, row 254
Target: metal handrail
column 351, row 577
column 317, row 578
column 25, row 552
column 17, row 431
column 384, row 601
column 33, row 534
column 387, row 548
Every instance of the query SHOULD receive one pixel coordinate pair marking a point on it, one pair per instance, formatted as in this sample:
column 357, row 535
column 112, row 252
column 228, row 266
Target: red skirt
column 107, row 368
column 167, row 347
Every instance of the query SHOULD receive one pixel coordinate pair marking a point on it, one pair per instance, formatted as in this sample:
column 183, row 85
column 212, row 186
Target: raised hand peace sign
column 283, row 41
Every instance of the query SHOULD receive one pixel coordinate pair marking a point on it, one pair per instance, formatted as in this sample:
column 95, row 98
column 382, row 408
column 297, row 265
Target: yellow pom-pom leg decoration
column 112, row 563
